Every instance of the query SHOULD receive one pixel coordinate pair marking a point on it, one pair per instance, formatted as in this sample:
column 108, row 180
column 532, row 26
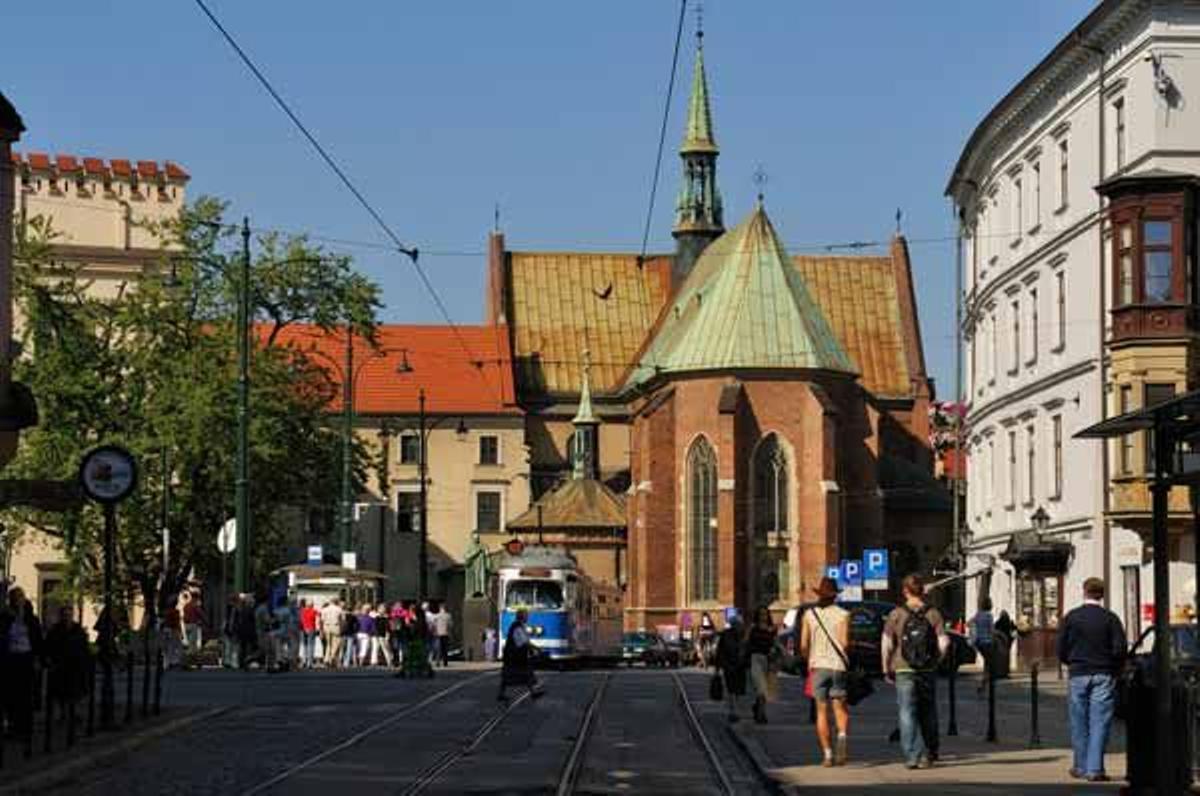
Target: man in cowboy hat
column 825, row 644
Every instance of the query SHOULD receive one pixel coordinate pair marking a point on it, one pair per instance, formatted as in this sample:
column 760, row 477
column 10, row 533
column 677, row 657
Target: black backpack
column 918, row 641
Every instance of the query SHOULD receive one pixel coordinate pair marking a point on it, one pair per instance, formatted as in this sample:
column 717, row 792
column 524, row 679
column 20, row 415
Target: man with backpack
column 914, row 641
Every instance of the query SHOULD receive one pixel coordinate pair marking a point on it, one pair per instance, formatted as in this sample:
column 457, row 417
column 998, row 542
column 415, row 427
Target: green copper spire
column 698, row 137
column 585, row 462
column 699, row 217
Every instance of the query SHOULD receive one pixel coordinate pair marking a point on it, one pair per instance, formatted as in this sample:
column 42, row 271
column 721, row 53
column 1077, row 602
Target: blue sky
column 550, row 108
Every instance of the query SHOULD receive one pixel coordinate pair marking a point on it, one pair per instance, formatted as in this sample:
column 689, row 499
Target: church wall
column 653, row 559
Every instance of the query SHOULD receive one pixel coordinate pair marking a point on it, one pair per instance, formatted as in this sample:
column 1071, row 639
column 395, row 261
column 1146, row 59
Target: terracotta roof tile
column 468, row 372
column 121, row 167
column 67, row 164
column 557, row 309
column 176, row 172
column 576, row 503
column 39, row 161
column 94, row 166
column 147, row 168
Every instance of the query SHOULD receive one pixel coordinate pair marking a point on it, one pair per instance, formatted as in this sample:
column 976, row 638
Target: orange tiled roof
column 556, row 308
column 70, row 164
column 861, row 301
column 465, row 373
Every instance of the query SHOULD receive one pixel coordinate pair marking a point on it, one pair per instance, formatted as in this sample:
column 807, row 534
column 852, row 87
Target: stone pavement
column 787, row 749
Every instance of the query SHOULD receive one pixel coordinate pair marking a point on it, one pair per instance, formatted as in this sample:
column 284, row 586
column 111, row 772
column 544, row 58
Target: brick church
column 711, row 427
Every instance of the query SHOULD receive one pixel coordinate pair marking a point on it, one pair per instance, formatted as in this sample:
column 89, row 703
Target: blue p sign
column 835, row 572
column 851, row 572
column 875, row 569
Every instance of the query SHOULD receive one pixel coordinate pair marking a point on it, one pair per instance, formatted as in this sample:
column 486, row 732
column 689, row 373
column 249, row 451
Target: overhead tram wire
column 410, row 251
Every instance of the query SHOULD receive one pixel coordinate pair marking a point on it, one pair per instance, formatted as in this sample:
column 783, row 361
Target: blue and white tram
column 570, row 616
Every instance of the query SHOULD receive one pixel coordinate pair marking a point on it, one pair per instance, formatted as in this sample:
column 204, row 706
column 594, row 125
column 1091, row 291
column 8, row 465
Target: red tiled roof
column 121, row 167
column 147, row 168
column 71, row 164
column 94, row 166
column 175, row 172
column 468, row 372
column 39, row 160
column 67, row 163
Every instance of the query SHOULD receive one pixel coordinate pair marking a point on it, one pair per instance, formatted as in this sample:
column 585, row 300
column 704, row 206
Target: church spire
column 698, row 212
column 586, row 458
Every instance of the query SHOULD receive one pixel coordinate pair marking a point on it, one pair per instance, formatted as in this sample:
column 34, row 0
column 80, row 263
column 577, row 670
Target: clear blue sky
column 441, row 109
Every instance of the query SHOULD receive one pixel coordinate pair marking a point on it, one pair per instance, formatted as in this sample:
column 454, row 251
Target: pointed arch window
column 771, row 479
column 702, row 520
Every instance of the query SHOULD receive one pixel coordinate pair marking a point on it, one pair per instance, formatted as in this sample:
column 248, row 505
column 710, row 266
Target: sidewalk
column 788, row 752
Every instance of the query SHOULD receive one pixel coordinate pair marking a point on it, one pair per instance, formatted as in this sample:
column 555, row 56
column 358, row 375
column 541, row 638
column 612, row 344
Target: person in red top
column 308, row 631
column 193, row 624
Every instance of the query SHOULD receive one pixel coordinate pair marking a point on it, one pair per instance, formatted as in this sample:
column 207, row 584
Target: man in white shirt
column 824, row 642
column 442, row 623
column 331, row 632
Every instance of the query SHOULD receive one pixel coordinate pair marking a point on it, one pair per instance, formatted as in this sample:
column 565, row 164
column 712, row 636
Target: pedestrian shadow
column 956, row 760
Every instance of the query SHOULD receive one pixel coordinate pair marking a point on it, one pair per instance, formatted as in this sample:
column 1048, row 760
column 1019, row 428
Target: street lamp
column 1040, row 521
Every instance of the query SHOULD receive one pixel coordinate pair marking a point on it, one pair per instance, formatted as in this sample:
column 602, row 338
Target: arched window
column 702, row 520
column 771, row 528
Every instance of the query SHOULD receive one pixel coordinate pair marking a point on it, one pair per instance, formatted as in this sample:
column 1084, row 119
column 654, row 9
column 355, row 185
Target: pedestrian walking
column 365, row 633
column 914, row 641
column 172, row 634
column 398, row 617
column 308, row 634
column 193, row 623
column 229, row 656
column 981, row 634
column 443, row 622
column 68, row 659
column 245, row 631
column 730, row 659
column 349, row 637
column 416, row 646
column 762, row 648
column 708, row 633
column 20, row 650
column 1092, row 644
column 519, row 654
column 824, row 639
column 380, row 647
column 331, row 631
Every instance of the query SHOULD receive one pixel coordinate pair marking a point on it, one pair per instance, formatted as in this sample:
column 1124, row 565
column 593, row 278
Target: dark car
column 648, row 648
column 1185, row 649
column 866, row 632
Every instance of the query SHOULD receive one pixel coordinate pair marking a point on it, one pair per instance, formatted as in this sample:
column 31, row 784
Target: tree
column 154, row 369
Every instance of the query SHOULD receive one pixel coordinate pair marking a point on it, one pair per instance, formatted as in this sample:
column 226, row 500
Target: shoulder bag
column 858, row 684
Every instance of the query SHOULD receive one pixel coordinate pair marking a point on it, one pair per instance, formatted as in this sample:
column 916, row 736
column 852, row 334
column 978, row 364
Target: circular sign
column 514, row 547
column 108, row 474
column 227, row 536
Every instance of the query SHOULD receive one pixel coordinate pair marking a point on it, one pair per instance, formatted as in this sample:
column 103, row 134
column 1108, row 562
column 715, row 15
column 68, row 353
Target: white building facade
column 1041, row 361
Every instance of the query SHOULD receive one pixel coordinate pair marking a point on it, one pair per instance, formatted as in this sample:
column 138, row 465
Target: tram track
column 714, row 760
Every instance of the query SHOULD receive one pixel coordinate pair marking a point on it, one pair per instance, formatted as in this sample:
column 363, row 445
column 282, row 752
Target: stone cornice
column 1024, row 392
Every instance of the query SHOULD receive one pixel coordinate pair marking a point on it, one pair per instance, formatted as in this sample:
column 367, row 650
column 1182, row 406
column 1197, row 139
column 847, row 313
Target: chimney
column 496, row 311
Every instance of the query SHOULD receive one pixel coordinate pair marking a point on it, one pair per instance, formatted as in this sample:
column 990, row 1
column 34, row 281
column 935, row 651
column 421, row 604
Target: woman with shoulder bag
column 763, row 653
column 824, row 638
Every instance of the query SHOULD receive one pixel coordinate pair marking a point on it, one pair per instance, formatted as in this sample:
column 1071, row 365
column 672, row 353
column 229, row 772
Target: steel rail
column 574, row 765
column 402, row 713
column 714, row 760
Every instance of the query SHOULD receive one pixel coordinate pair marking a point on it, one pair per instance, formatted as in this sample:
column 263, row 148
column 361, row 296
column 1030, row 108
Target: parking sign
column 851, row 580
column 835, row 572
column 875, row 570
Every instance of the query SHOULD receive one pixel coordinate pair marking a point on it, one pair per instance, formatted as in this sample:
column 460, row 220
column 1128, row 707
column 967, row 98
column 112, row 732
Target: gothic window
column 702, row 520
column 771, row 519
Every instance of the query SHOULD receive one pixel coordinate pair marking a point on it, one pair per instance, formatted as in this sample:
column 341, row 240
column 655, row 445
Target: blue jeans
column 308, row 646
column 916, row 697
column 1092, row 698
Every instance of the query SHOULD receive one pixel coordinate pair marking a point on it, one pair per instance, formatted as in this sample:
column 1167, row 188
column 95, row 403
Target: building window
column 1056, row 432
column 994, row 357
column 410, row 449
column 1125, row 264
column 1037, row 194
column 1016, row 335
column 702, row 520
column 1156, row 261
column 771, row 519
column 1126, row 454
column 1064, row 173
column 1119, row 113
column 1033, row 325
column 1030, row 464
column 1060, row 302
column 408, row 512
column 1012, row 469
column 487, row 511
column 1153, row 395
column 489, row 449
column 989, row 491
column 1018, row 208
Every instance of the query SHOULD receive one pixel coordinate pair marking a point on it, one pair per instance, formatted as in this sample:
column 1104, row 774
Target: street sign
column 316, row 554
column 227, row 537
column 835, row 572
column 875, row 569
column 108, row 474
column 350, row 560
column 851, row 582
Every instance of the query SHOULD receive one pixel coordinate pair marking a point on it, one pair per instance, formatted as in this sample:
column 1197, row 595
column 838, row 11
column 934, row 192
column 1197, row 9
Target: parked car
column 648, row 648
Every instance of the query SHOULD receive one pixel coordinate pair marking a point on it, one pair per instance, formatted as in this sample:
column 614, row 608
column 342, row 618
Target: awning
column 325, row 571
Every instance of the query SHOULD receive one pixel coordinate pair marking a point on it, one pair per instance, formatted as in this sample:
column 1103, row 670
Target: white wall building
column 1118, row 97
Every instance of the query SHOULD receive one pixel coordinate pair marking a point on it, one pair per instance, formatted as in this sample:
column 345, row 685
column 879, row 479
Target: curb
column 63, row 770
column 761, row 763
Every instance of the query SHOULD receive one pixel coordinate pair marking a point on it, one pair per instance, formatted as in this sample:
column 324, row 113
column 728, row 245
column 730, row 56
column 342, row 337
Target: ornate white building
column 1065, row 324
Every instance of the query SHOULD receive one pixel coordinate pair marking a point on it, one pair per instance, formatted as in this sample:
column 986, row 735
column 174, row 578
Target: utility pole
column 242, row 485
column 423, row 556
column 348, row 438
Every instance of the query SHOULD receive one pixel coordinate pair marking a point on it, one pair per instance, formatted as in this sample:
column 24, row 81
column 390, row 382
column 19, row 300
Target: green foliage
column 154, row 368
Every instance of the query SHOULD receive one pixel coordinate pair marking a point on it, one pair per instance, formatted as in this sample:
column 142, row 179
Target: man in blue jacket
column 1091, row 642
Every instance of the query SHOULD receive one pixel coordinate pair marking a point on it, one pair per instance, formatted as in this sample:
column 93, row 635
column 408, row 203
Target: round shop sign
column 108, row 474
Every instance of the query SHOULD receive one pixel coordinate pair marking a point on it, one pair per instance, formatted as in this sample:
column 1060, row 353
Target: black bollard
column 71, row 721
column 146, row 679
column 48, row 718
column 952, row 727
column 158, row 676
column 129, row 686
column 1035, row 737
column 91, row 676
column 991, row 728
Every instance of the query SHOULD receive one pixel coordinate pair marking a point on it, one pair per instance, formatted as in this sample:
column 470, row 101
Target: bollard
column 991, row 728
column 129, row 686
column 48, row 718
column 146, row 677
column 158, row 676
column 91, row 719
column 952, row 727
column 1035, row 737
column 71, row 721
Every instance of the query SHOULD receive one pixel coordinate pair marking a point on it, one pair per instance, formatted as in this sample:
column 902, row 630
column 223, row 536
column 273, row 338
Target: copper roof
column 562, row 302
column 576, row 503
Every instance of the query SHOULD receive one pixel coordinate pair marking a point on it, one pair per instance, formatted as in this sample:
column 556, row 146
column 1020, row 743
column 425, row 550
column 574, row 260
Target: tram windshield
column 536, row 595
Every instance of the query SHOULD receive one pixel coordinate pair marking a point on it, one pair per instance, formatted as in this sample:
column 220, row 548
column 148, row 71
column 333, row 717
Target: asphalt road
column 368, row 733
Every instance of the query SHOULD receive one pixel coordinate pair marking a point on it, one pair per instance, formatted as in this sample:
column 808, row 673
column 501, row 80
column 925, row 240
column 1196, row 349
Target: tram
column 571, row 616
